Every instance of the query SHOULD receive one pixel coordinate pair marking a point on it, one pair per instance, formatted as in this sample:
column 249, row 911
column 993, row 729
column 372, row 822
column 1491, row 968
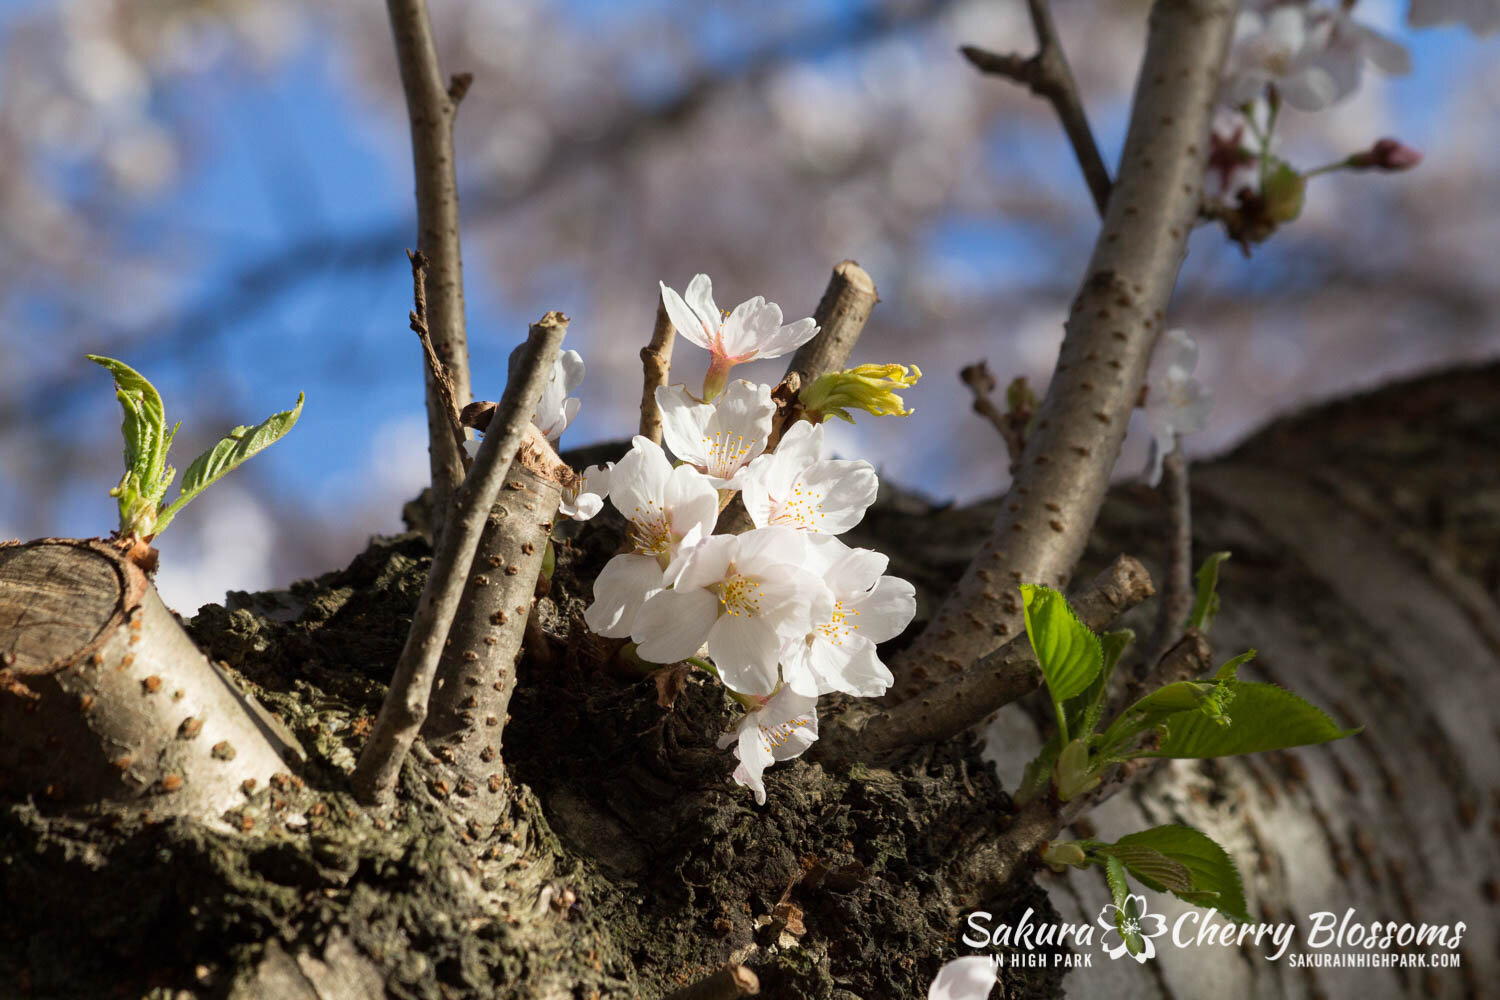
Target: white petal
column 673, row 624
column 687, row 320
column 744, row 649
column 582, row 507
column 684, row 423
column 707, row 561
column 832, row 497
column 754, row 759
column 788, row 338
column 749, row 325
column 638, row 483
column 691, row 500
column 700, row 297
column 625, row 583
column 970, row 978
column 887, row 610
column 863, row 675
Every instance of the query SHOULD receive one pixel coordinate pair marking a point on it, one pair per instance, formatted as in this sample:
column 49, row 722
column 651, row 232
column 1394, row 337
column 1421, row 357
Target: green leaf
column 239, row 445
column 147, row 474
column 1153, row 868
column 1114, row 874
column 1085, row 709
column 1231, row 668
column 1206, row 604
column 1213, row 878
column 1073, row 775
column 1262, row 717
column 1069, row 652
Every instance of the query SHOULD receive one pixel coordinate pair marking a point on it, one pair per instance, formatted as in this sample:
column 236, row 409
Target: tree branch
column 1048, row 75
column 437, row 372
column 405, row 707
column 656, row 360
column 995, row 681
column 1011, row 426
column 728, row 983
column 431, row 103
column 1111, row 330
column 1177, row 577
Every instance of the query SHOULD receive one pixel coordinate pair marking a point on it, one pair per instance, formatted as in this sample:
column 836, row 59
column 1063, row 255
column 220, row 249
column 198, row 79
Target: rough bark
column 627, row 864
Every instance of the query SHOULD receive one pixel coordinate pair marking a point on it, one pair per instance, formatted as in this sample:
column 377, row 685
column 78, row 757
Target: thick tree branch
column 431, row 103
column 1111, row 330
column 1048, row 75
column 1177, row 577
column 995, row 681
column 405, row 707
column 656, row 363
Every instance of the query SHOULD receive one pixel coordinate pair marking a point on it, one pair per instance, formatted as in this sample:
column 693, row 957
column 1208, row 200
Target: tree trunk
column 626, row 864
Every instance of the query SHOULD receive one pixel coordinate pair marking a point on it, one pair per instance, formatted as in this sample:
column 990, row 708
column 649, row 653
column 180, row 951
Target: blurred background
column 218, row 192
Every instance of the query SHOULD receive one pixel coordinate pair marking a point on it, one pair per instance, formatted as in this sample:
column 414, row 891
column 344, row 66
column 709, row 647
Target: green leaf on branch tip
column 1264, row 717
column 1084, row 710
column 1212, row 878
column 234, row 449
column 147, row 474
column 1154, row 869
column 1232, row 667
column 1070, row 654
column 1206, row 604
column 1073, row 775
column 1114, row 874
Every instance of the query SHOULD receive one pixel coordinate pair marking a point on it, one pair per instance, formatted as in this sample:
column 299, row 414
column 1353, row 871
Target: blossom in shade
column 557, row 407
column 720, row 438
column 782, row 728
column 585, row 496
column 795, row 487
column 663, row 505
column 1176, row 402
column 968, row 978
column 1480, row 16
column 741, row 597
column 752, row 331
column 838, row 652
column 1313, row 56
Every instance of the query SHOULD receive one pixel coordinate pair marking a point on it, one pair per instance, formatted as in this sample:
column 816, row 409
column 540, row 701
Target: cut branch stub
column 106, row 700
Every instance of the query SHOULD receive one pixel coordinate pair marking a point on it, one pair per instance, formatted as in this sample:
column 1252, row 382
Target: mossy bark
column 627, row 864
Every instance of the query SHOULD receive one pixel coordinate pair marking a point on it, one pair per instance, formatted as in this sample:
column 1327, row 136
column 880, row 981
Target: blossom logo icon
column 1132, row 927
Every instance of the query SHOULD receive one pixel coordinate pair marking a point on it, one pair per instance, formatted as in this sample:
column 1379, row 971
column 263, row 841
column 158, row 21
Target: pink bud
column 1387, row 154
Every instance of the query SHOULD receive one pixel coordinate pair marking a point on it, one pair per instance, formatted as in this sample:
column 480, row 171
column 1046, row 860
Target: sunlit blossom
column 783, row 728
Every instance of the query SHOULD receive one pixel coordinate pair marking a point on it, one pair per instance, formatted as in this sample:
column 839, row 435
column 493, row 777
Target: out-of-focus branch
column 437, row 372
column 1111, row 330
column 656, row 363
column 405, row 707
column 1010, row 423
column 431, row 104
column 1177, row 576
column 995, row 681
column 1048, row 75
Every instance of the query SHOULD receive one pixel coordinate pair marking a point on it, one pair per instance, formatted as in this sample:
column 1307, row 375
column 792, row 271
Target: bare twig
column 1048, row 75
column 405, row 707
column 1177, row 582
column 656, row 360
column 431, row 103
column 436, row 370
column 1112, row 328
column 1011, row 424
column 999, row 679
column 728, row 983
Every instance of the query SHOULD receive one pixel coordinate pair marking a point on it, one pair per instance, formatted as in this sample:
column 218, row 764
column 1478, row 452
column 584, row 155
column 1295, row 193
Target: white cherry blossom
column 557, row 407
column 783, row 728
column 741, row 597
column 1176, row 402
column 1313, row 55
column 663, row 505
column 720, row 438
column 794, row 487
column 969, row 978
column 1480, row 16
column 752, row 331
column 838, row 653
column 585, row 497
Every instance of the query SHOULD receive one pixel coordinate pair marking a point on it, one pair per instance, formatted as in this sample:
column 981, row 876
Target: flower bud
column 1387, row 154
column 871, row 388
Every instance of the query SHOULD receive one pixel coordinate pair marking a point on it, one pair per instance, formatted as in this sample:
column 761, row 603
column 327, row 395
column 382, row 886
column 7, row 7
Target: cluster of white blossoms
column 783, row 612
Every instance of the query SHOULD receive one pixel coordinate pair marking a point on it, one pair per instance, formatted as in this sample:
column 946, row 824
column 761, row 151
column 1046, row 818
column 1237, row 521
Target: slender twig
column 436, row 370
column 1116, row 318
column 1011, row 425
column 405, row 707
column 656, row 360
column 1048, row 75
column 431, row 103
column 729, row 983
column 1002, row 677
column 1177, row 576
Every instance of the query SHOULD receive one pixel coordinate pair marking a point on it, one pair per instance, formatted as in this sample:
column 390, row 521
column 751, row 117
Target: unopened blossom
column 1480, row 16
column 557, row 407
column 663, row 505
column 838, row 652
column 794, row 486
column 783, row 728
column 1176, row 402
column 1386, row 154
column 740, row 597
column 719, row 438
column 968, row 978
column 872, row 388
column 1313, row 56
column 584, row 497
column 752, row 331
